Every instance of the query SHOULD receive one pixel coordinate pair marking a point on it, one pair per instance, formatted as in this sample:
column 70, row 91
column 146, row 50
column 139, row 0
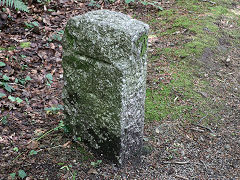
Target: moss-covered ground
column 184, row 31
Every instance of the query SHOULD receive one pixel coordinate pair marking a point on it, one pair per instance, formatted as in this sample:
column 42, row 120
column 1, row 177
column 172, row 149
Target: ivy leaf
column 8, row 88
column 33, row 152
column 16, row 80
column 25, row 44
column 27, row 101
column 2, row 64
column 28, row 78
column 144, row 3
column 22, row 81
column 22, row 174
column 35, row 23
column 16, row 149
column 155, row 5
column 2, row 95
column 13, row 175
column 5, row 78
column 128, row 1
column 4, row 120
column 19, row 100
column 49, row 77
column 11, row 98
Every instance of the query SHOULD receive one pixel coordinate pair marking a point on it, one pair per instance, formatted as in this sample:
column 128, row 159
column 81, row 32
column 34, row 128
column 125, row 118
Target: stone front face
column 104, row 64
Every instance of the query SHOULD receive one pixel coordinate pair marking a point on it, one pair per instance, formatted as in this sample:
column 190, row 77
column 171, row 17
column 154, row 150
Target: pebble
column 227, row 146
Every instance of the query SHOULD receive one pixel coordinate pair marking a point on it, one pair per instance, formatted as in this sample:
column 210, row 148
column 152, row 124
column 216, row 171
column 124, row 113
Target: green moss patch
column 25, row 44
column 192, row 26
column 181, row 99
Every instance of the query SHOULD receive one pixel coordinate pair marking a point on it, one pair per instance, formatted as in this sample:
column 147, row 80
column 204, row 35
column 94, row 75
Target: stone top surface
column 114, row 20
column 104, row 35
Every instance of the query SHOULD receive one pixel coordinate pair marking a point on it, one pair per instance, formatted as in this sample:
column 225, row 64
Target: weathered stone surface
column 104, row 64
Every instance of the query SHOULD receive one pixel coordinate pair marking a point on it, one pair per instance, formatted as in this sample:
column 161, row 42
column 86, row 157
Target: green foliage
column 15, row 99
column 13, row 175
column 4, row 120
column 2, row 95
column 5, row 77
column 23, row 81
column 97, row 163
column 143, row 41
column 7, row 86
column 68, row 168
column 16, row 149
column 4, row 82
column 33, row 152
column 53, row 109
column 56, row 36
column 92, row 3
column 25, row 44
column 17, row 4
column 128, row 1
column 153, row 3
column 2, row 64
column 31, row 24
column 44, row 1
column 22, row 174
column 49, row 79
column 60, row 126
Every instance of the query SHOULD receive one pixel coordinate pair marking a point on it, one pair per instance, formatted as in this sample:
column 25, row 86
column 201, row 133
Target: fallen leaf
column 33, row 145
column 67, row 144
column 39, row 132
column 92, row 171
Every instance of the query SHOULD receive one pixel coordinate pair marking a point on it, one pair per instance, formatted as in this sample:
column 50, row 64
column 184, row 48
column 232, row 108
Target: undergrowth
column 17, row 4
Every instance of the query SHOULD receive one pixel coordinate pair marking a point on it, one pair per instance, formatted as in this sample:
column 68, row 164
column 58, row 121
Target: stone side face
column 105, row 64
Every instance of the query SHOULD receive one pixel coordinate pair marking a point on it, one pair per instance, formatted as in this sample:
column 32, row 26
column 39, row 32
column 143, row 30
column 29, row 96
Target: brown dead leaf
column 47, row 21
column 92, row 171
column 34, row 71
column 33, row 145
column 42, row 54
column 52, row 46
column 39, row 132
column 67, row 144
column 3, row 92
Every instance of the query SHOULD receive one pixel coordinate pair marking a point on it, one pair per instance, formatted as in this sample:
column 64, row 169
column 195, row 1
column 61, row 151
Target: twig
column 196, row 129
column 211, row 2
column 203, row 164
column 202, row 118
column 181, row 177
column 209, row 129
column 43, row 135
column 16, row 84
column 50, row 148
column 17, row 157
column 176, row 162
column 46, row 133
